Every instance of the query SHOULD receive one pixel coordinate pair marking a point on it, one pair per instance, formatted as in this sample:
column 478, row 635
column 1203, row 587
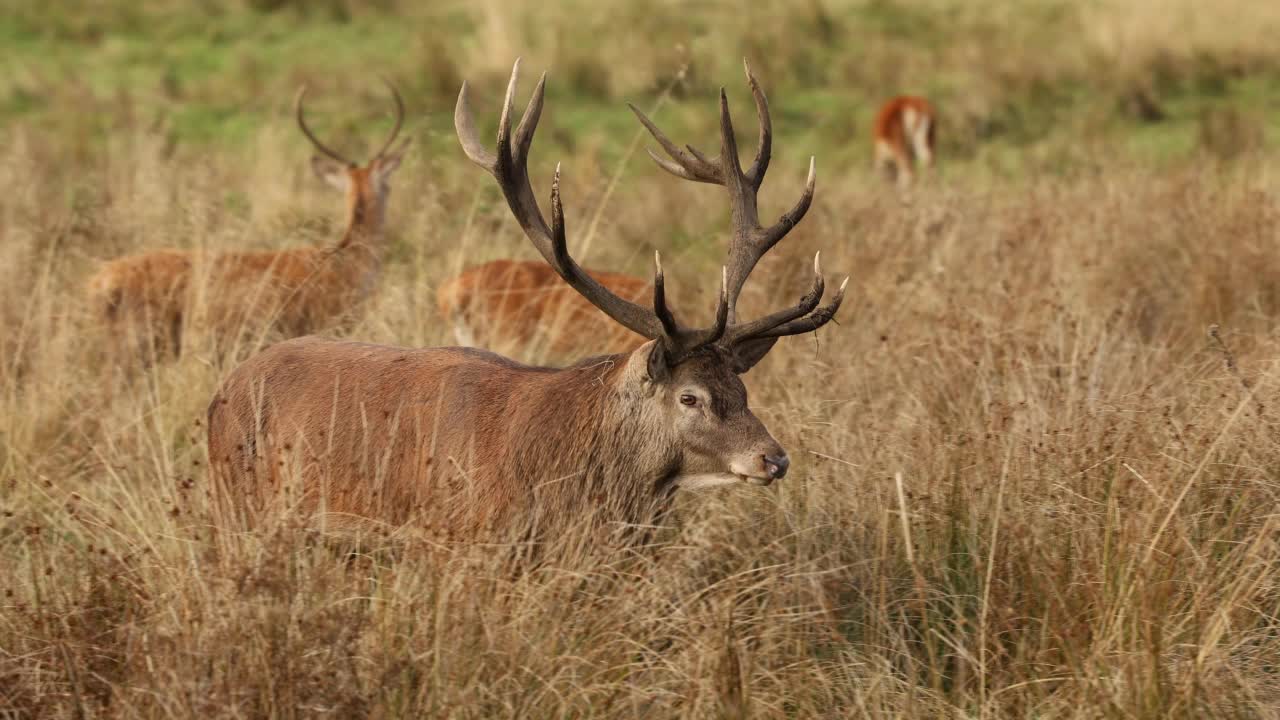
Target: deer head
column 685, row 379
column 366, row 186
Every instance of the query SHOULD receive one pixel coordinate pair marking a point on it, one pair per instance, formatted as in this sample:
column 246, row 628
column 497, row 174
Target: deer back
column 514, row 306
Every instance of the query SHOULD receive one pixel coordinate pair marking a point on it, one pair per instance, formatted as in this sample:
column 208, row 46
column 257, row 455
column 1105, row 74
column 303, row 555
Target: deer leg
column 905, row 163
column 175, row 335
column 885, row 161
column 920, row 143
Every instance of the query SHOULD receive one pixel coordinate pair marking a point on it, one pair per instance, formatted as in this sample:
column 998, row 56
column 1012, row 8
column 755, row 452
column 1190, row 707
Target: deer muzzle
column 775, row 466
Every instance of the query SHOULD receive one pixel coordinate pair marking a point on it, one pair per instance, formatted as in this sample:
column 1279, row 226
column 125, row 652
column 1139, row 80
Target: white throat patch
column 705, row 480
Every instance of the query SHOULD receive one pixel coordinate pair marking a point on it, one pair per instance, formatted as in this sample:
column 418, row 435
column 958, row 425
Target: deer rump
column 457, row 439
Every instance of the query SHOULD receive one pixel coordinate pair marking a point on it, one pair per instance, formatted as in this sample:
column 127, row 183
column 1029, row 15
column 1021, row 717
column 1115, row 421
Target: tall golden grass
column 1028, row 481
column 1036, row 465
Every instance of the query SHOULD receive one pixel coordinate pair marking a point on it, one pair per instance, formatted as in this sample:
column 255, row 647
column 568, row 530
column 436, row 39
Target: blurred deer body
column 903, row 132
column 485, row 445
column 511, row 306
column 153, row 295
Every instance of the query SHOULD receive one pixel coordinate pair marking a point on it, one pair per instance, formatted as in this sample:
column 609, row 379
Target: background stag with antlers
column 150, row 298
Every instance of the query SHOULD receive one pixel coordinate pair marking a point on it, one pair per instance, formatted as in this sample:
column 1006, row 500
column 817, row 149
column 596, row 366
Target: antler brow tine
column 660, row 309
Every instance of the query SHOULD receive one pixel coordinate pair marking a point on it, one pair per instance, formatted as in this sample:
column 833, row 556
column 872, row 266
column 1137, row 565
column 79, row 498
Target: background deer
column 511, row 306
column 488, row 444
column 298, row 290
column 903, row 133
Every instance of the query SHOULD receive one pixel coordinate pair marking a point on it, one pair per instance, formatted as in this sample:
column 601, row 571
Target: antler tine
column 529, row 121
column 559, row 244
column 729, row 165
column 764, row 149
column 624, row 312
column 465, row 126
column 669, row 324
column 395, row 131
column 811, row 322
column 722, row 310
column 716, row 331
column 792, row 217
column 302, row 123
column 761, row 326
column 675, row 168
column 682, row 341
column 701, row 158
column 693, row 166
column 504, row 122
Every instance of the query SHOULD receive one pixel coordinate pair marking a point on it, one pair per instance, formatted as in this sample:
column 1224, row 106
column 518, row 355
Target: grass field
column 1036, row 465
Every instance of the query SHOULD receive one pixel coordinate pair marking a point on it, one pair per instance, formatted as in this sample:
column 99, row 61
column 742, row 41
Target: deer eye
column 687, row 399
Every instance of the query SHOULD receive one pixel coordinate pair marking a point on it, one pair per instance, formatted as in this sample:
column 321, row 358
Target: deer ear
column 390, row 162
column 749, row 352
column 658, row 365
column 330, row 171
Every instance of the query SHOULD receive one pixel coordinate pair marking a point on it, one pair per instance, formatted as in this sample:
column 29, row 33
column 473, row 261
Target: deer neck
column 605, row 450
column 365, row 220
column 361, row 246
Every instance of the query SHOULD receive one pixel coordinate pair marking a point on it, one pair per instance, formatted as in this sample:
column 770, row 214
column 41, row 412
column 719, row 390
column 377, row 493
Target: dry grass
column 1084, row 524
column 1028, row 481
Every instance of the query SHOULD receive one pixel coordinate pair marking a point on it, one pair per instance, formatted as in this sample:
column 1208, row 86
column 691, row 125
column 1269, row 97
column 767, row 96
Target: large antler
column 510, row 166
column 395, row 131
column 750, row 240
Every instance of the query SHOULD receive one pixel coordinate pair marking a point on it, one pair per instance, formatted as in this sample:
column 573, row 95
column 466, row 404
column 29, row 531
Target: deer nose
column 776, row 465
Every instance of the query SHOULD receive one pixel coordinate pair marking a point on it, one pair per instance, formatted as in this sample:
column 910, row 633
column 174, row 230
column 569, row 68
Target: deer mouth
column 708, row 480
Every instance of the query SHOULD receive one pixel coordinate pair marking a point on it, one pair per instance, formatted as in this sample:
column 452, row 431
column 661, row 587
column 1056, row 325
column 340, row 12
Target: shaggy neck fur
column 600, row 451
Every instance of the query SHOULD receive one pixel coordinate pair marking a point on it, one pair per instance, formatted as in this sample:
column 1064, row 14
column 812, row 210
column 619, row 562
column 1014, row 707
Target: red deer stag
column 904, row 133
column 512, row 306
column 494, row 447
column 299, row 290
